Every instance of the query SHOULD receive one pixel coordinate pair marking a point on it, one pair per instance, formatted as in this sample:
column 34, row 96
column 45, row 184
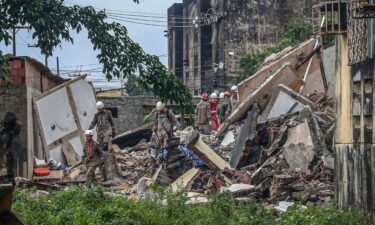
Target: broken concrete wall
column 246, row 87
column 63, row 113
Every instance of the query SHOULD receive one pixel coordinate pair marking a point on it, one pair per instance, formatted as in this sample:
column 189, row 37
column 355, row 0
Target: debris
column 53, row 175
column 228, row 139
column 283, row 75
column 238, row 188
column 182, row 182
column 74, row 173
column 205, row 153
column 245, row 140
column 283, row 206
column 134, row 136
column 298, row 149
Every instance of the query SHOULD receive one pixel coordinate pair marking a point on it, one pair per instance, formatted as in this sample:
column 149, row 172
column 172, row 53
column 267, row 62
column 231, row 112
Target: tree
column 134, row 88
column 52, row 22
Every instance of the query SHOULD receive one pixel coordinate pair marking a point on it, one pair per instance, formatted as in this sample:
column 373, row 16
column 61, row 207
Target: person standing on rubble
column 219, row 108
column 203, row 115
column 226, row 107
column 163, row 127
column 103, row 121
column 10, row 147
column 213, row 107
column 234, row 100
column 92, row 157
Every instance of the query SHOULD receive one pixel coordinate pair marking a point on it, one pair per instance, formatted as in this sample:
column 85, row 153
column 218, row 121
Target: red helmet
column 227, row 94
column 205, row 96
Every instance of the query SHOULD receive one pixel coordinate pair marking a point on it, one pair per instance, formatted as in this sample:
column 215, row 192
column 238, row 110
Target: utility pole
column 14, row 42
column 58, row 66
column 14, row 32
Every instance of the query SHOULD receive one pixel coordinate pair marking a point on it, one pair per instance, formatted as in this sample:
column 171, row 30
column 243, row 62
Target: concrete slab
column 205, row 153
column 284, row 75
column 299, row 149
column 182, row 182
column 239, row 188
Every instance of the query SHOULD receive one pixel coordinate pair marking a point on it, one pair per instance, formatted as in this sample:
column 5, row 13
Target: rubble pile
column 277, row 145
column 280, row 159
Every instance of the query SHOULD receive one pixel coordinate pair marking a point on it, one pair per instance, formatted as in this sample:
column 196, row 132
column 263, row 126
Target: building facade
column 216, row 33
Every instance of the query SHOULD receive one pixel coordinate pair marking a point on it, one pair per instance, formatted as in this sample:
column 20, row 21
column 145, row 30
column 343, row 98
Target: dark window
column 114, row 112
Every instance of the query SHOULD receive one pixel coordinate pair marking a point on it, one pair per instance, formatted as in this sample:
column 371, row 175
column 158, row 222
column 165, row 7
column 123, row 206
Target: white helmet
column 234, row 89
column 89, row 133
column 221, row 96
column 159, row 106
column 99, row 105
column 214, row 95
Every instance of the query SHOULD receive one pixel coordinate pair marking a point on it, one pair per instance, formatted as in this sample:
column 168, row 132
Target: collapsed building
column 276, row 146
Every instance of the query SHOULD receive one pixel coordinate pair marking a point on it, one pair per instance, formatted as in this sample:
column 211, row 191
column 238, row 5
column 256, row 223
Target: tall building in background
column 175, row 43
column 216, row 33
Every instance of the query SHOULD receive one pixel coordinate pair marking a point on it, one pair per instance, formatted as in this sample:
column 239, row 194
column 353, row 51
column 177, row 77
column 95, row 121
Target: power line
column 142, row 19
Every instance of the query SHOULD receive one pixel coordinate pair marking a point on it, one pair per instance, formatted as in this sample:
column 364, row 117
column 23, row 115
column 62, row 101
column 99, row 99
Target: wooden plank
column 182, row 182
column 205, row 153
column 284, row 75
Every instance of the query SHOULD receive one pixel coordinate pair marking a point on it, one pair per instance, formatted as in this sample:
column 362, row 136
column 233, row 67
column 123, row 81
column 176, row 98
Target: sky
column 150, row 38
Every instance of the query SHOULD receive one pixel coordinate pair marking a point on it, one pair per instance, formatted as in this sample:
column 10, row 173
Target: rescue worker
column 219, row 107
column 203, row 115
column 10, row 147
column 213, row 107
column 163, row 127
column 103, row 121
column 226, row 108
column 92, row 157
column 234, row 99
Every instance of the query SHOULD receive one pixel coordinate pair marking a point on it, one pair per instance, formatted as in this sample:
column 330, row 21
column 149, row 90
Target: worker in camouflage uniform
column 103, row 121
column 92, row 157
column 224, row 108
column 10, row 147
column 163, row 127
column 203, row 115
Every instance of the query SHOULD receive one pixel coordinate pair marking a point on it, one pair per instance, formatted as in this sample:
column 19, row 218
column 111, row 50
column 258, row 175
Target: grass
column 80, row 206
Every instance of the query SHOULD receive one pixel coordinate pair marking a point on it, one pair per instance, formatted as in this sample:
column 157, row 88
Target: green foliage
column 297, row 32
column 91, row 206
column 51, row 22
column 321, row 216
column 134, row 88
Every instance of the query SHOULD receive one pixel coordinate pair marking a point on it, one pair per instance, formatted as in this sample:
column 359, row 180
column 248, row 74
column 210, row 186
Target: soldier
column 163, row 127
column 234, row 101
column 103, row 121
column 203, row 115
column 10, row 147
column 92, row 157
